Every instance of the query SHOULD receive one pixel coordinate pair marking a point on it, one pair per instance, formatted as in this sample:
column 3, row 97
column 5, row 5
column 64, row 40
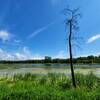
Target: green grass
column 49, row 87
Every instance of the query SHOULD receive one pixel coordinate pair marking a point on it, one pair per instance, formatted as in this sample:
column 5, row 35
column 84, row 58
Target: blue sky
column 32, row 29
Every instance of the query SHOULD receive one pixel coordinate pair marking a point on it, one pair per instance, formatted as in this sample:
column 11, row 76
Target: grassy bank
column 49, row 87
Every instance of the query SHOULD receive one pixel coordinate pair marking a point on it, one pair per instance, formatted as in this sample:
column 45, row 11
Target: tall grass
column 49, row 87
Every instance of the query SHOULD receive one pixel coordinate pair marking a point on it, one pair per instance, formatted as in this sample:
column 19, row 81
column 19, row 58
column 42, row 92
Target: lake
column 11, row 69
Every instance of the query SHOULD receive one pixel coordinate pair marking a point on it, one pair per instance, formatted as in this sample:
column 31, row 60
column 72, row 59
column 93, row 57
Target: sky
column 33, row 29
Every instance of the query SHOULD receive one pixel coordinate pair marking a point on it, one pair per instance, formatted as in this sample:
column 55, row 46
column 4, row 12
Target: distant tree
column 71, row 22
column 48, row 59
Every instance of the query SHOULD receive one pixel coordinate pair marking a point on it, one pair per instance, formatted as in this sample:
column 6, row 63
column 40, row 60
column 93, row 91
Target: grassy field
column 52, row 86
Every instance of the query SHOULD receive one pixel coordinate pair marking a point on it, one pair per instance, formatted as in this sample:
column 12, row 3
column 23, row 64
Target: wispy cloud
column 8, row 38
column 5, row 35
column 24, row 54
column 38, row 31
column 60, row 54
column 93, row 38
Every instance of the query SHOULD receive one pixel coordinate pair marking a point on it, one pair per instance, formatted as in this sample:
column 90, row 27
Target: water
column 48, row 65
column 11, row 69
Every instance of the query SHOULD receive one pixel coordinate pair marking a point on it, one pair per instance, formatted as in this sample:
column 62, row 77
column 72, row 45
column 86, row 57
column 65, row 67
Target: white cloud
column 93, row 38
column 20, row 56
column 5, row 35
column 5, row 56
column 38, row 56
column 26, row 51
column 61, row 54
column 25, row 54
column 28, row 55
column 8, row 38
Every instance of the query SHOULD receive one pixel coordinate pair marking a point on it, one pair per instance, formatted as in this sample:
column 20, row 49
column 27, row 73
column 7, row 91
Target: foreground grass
column 49, row 87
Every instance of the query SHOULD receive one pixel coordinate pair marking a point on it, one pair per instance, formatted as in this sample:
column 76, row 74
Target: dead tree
column 72, row 24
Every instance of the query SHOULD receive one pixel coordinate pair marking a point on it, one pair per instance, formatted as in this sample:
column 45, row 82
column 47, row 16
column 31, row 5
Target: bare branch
column 72, row 23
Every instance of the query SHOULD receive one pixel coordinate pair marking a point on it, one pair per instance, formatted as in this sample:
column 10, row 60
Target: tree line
column 82, row 60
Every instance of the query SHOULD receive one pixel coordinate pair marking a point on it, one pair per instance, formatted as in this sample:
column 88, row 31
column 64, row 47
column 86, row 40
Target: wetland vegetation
column 50, row 87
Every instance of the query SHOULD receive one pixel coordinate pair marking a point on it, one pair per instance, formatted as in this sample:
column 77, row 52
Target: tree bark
column 71, row 57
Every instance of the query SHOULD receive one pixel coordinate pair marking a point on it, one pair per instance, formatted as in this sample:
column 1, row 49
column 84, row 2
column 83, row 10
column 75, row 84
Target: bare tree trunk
column 71, row 57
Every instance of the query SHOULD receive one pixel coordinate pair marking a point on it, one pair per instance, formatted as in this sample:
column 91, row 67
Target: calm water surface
column 11, row 69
